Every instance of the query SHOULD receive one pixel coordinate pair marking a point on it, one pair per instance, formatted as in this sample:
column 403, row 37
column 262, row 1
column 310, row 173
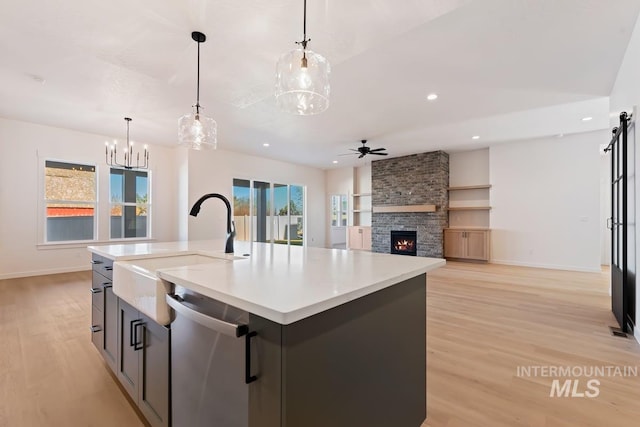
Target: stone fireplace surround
column 411, row 180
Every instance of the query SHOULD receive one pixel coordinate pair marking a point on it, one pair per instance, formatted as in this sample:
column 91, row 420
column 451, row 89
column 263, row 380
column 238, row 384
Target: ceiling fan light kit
column 302, row 79
column 195, row 130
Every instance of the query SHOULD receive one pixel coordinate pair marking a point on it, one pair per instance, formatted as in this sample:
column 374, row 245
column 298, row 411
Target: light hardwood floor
column 50, row 373
column 483, row 322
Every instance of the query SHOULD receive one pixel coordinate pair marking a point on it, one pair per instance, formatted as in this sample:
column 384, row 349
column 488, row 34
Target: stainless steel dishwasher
column 210, row 362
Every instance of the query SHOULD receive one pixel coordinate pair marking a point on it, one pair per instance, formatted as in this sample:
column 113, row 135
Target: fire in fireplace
column 404, row 242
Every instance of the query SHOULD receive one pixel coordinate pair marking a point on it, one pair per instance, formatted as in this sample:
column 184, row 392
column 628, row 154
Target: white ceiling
column 503, row 69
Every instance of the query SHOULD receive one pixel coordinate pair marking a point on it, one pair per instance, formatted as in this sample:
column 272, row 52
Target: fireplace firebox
column 404, row 242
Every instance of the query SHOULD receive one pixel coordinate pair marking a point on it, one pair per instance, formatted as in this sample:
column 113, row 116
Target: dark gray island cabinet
column 279, row 337
column 362, row 363
column 134, row 347
column 104, row 310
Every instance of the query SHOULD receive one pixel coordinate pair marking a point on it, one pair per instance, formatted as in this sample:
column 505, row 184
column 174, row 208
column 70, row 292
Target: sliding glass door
column 268, row 212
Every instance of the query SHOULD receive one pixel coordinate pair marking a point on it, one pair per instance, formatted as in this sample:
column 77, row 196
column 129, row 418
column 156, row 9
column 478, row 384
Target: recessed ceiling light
column 560, row 135
column 432, row 96
column 266, row 144
column 475, row 137
column 334, row 162
column 586, row 119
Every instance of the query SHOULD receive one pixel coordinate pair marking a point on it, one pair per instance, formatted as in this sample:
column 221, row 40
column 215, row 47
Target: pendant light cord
column 304, row 29
column 304, row 23
column 198, row 84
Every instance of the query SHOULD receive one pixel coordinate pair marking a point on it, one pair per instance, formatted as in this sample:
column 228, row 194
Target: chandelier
column 111, row 154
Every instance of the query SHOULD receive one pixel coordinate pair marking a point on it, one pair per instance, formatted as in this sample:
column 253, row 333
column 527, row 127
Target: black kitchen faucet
column 231, row 227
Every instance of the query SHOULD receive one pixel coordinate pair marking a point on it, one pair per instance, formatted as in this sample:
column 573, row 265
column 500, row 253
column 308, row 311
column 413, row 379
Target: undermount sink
column 137, row 283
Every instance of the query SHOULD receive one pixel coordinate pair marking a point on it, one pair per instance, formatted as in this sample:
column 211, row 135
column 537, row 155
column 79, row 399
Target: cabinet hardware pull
column 106, row 285
column 95, row 328
column 248, row 378
column 132, row 338
column 143, row 344
column 95, row 290
column 93, row 261
column 108, row 268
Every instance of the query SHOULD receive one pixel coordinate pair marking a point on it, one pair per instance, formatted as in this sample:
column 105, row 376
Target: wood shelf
column 361, row 210
column 470, row 187
column 361, row 194
column 473, row 228
column 405, row 208
column 469, row 208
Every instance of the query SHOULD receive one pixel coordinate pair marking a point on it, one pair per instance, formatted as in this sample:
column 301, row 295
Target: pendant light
column 111, row 154
column 302, row 79
column 195, row 130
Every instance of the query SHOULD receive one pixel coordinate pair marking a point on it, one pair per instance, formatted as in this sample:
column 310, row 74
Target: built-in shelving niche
column 469, row 206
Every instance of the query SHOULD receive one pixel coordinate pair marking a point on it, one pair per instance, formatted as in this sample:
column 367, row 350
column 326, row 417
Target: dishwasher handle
column 226, row 328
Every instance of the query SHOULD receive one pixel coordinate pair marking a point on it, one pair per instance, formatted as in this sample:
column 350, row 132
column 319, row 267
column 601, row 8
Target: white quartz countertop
column 279, row 282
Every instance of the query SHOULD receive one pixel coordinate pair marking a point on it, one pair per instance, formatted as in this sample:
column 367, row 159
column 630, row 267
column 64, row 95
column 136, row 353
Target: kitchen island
column 301, row 336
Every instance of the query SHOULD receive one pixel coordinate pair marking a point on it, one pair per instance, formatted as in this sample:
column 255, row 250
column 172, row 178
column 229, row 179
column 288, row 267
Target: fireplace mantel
column 404, row 208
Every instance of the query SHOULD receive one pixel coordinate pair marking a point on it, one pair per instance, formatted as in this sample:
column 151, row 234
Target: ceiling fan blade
column 377, row 149
column 380, row 154
column 361, row 156
column 353, row 149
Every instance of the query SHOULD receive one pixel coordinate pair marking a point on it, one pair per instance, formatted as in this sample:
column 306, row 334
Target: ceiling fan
column 364, row 150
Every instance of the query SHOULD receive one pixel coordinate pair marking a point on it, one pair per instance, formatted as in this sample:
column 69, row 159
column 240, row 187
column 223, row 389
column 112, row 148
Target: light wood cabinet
column 466, row 244
column 469, row 233
column 359, row 238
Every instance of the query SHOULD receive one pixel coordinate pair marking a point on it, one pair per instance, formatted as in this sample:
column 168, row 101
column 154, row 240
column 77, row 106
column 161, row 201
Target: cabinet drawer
column 97, row 328
column 98, row 285
column 102, row 265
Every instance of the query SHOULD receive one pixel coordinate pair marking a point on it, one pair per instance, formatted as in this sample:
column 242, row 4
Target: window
column 70, row 201
column 268, row 212
column 130, row 204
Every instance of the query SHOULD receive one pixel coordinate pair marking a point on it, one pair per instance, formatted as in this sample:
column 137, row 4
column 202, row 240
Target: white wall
column 469, row 168
column 624, row 97
column 545, row 199
column 605, row 208
column 214, row 171
column 23, row 149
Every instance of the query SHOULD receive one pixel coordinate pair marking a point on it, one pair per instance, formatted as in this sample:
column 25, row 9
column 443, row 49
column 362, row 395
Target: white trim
column 17, row 275
column 636, row 334
column 547, row 266
column 85, row 243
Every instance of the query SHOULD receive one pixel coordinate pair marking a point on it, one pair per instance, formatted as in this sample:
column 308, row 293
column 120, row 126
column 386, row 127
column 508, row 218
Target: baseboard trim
column 44, row 272
column 547, row 266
